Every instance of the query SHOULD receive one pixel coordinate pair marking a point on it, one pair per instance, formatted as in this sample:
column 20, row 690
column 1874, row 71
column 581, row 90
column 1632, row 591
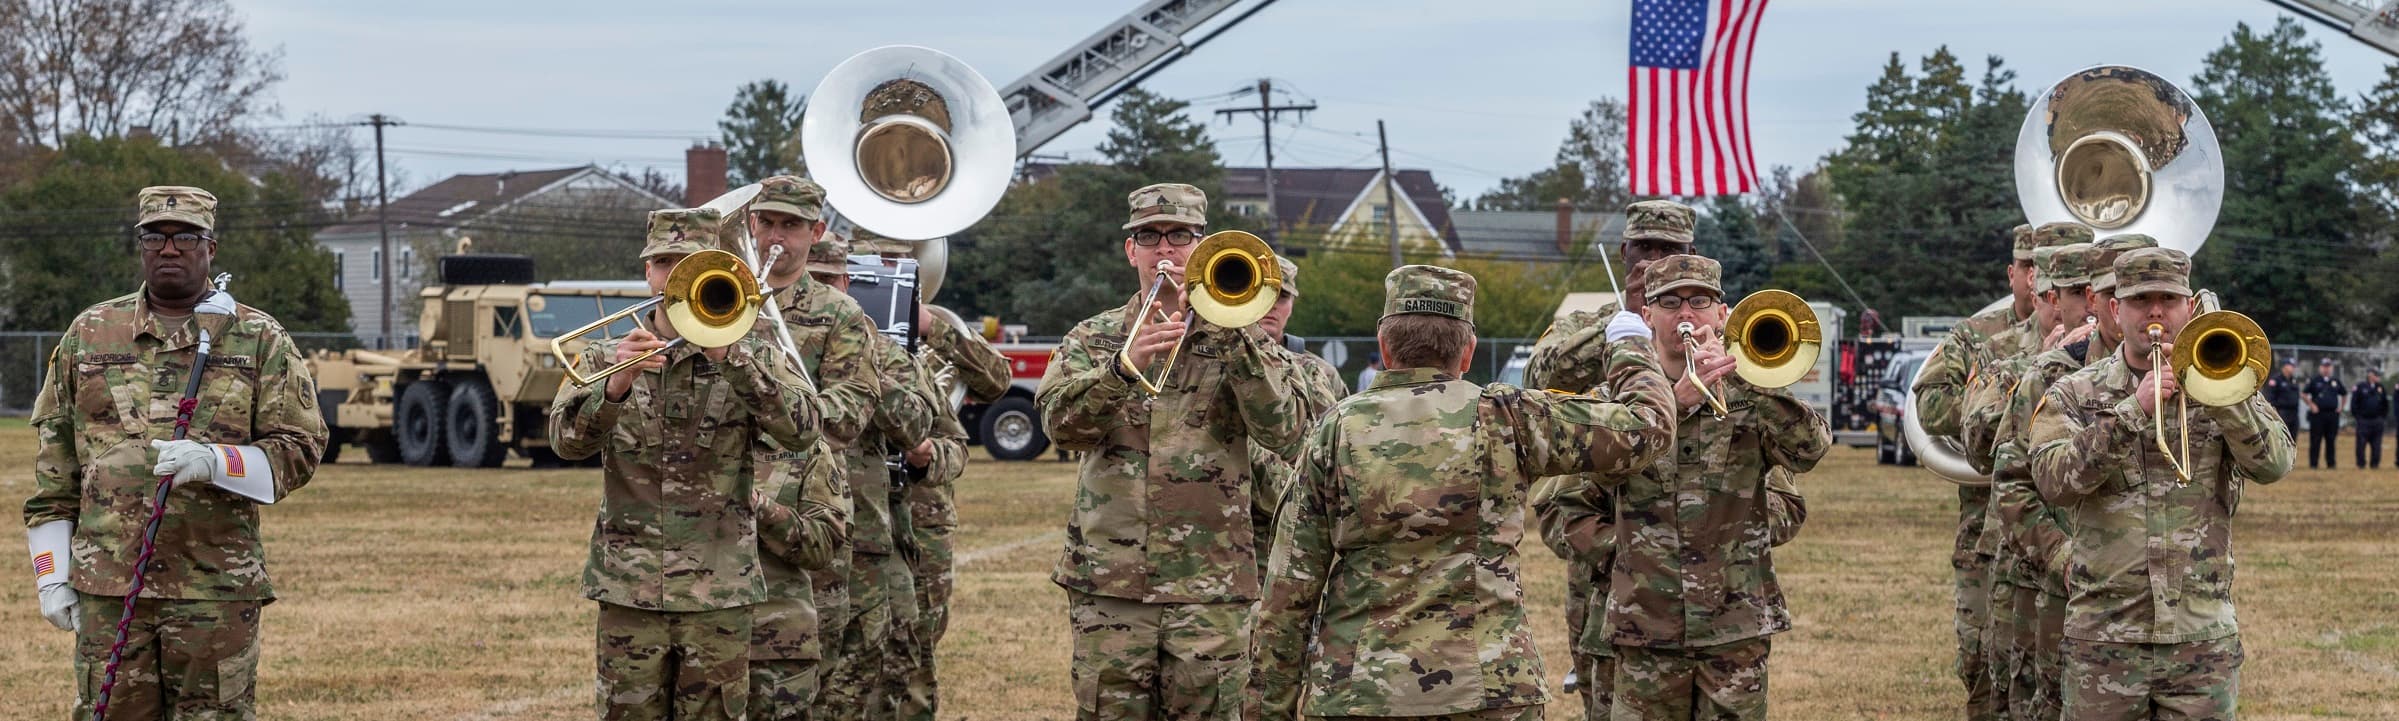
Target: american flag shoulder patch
column 233, row 461
column 44, row 565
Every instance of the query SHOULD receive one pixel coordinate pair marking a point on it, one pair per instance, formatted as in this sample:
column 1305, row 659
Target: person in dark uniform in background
column 2282, row 392
column 2369, row 405
column 2323, row 415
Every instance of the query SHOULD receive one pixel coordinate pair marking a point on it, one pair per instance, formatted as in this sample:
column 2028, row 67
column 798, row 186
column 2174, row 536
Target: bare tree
column 180, row 68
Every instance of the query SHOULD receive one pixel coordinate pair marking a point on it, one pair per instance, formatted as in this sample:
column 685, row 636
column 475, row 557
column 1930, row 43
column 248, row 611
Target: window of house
column 338, row 267
column 407, row 263
column 376, row 272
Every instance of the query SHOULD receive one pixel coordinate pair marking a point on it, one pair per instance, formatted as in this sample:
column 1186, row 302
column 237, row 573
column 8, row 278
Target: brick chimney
column 703, row 174
column 1565, row 227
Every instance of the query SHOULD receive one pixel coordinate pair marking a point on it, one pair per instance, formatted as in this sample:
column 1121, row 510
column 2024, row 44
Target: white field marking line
column 990, row 552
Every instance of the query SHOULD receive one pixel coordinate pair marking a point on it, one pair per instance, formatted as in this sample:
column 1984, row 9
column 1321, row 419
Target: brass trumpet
column 1233, row 281
column 711, row 300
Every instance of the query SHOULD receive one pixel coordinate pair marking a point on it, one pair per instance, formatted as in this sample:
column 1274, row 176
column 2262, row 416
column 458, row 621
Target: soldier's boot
column 182, row 659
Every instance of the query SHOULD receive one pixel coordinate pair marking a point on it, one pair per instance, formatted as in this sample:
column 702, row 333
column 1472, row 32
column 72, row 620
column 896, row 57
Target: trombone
column 2219, row 358
column 1237, row 281
column 1773, row 338
column 711, row 300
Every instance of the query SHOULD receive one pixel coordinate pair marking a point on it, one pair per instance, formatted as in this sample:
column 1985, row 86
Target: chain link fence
column 25, row 356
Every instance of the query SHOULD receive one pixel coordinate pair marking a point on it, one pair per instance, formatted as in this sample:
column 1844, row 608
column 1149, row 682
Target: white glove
column 1627, row 325
column 53, row 561
column 58, row 605
column 186, row 460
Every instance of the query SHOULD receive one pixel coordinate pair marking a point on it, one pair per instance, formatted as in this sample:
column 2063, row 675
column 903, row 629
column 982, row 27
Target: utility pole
column 1265, row 111
column 1390, row 198
column 383, row 223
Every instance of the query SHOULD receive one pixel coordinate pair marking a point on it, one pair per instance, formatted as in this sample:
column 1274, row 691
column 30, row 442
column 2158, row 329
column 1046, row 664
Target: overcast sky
column 1473, row 91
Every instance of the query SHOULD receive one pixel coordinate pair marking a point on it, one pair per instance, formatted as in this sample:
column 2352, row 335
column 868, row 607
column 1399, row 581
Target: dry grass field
column 442, row 594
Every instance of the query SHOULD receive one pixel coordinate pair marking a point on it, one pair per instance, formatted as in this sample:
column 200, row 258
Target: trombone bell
column 711, row 300
column 1773, row 338
column 2220, row 358
column 1232, row 282
column 1237, row 278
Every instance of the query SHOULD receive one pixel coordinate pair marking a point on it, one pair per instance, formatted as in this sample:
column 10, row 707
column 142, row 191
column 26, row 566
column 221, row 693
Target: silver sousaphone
column 912, row 144
column 2116, row 148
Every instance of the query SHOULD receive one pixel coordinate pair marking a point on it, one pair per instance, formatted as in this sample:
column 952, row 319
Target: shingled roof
column 463, row 198
column 1316, row 197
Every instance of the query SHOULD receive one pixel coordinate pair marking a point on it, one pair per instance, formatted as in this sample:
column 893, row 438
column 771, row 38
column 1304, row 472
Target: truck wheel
column 418, row 422
column 473, row 425
column 335, row 438
column 383, row 447
column 1012, row 430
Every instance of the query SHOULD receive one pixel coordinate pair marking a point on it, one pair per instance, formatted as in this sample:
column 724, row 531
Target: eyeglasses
column 183, row 241
column 1146, row 237
column 1676, row 302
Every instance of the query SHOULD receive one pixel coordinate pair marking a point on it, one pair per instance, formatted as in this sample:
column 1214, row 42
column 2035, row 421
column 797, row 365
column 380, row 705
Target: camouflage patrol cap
column 2020, row 238
column 2110, row 248
column 683, row 232
column 791, row 194
column 830, row 255
column 2050, row 235
column 1659, row 220
column 1430, row 290
column 1684, row 271
column 2070, row 266
column 1290, row 275
column 2044, row 265
column 867, row 241
column 1168, row 203
column 178, row 203
column 2145, row 270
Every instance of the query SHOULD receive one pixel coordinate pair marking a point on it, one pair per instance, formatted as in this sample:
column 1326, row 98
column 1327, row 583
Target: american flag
column 1688, row 131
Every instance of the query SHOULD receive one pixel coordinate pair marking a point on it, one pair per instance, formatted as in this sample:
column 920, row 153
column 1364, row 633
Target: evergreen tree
column 2284, row 243
column 761, row 132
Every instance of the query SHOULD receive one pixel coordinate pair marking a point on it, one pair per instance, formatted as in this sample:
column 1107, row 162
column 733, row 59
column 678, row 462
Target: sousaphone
column 912, row 144
column 2116, row 148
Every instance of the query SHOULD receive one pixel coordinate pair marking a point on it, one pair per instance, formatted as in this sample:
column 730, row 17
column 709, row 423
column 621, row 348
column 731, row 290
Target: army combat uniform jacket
column 677, row 529
column 112, row 387
column 1941, row 386
column 2151, row 558
column 1695, row 529
column 973, row 363
column 1178, row 530
column 1395, row 588
column 2033, row 535
column 831, row 333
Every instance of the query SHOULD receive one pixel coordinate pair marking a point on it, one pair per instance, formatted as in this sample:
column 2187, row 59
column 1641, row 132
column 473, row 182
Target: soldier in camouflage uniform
column 1653, row 229
column 831, row 333
column 1940, row 389
column 2033, row 531
column 674, row 554
column 2007, row 634
column 2062, row 277
column 1394, row 580
column 803, row 523
column 882, row 583
column 1160, row 565
column 2148, row 559
column 1692, row 596
column 2150, row 630
column 1319, row 383
column 106, row 408
column 952, row 359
